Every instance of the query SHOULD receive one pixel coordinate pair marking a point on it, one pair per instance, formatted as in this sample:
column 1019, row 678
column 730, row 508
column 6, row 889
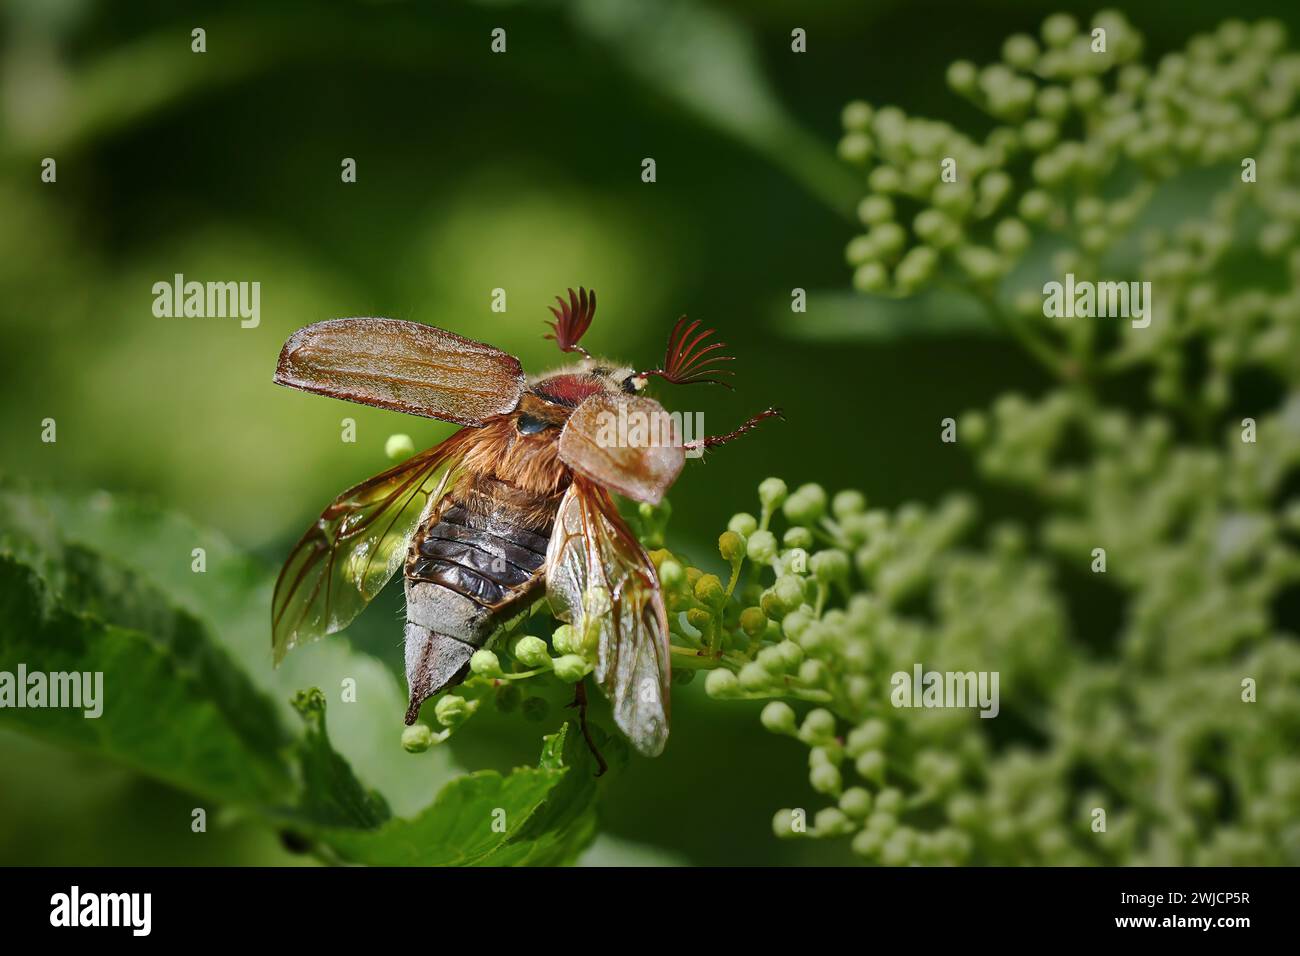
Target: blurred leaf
column 167, row 698
column 122, row 86
column 608, row 850
column 846, row 316
column 234, row 597
column 143, row 75
column 705, row 60
column 543, row 815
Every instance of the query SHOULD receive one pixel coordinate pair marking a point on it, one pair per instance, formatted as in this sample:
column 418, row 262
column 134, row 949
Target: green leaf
column 330, row 793
column 98, row 586
column 233, row 596
column 566, row 823
column 188, row 715
column 539, row 815
column 165, row 704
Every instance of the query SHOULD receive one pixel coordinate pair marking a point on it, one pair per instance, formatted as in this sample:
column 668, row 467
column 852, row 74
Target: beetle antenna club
column 686, row 363
column 572, row 319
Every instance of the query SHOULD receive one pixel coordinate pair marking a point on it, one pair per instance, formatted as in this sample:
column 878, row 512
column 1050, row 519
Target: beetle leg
column 580, row 702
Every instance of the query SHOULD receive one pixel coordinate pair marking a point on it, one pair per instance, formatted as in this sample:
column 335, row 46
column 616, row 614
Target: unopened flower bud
column 848, row 502
column 771, row 605
column 797, row 537
column 789, row 589
column 671, row 574
column 872, row 210
column 743, row 523
column 963, row 77
column 792, row 653
column 855, row 148
column 825, row 778
column 417, row 738
column 870, row 765
column 399, row 447
column 754, row 677
column 778, row 717
column 856, row 802
column 795, row 623
column 869, row 735
column 731, row 546
column 532, row 652
column 721, row 683
column 856, row 116
column 761, row 547
column 709, row 590
column 772, row 491
column 571, row 668
column 867, row 843
column 453, row 710
column 806, row 505
column 831, row 821
column 819, row 724
column 783, row 824
column 485, row 663
column 772, row 661
column 753, row 621
column 829, row 566
column 566, row 640
column 890, row 800
column 812, row 673
column 870, row 277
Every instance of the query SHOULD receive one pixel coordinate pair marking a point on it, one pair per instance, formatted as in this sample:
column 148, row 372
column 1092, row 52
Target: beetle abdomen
column 487, row 561
column 465, row 573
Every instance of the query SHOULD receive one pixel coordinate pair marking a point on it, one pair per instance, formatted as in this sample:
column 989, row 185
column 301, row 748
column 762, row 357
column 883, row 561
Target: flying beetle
column 514, row 506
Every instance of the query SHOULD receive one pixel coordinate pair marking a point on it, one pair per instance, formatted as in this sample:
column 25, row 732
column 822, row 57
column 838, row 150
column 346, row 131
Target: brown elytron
column 513, row 506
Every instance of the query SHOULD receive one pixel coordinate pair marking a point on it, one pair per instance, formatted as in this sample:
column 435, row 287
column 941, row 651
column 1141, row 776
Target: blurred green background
column 475, row 171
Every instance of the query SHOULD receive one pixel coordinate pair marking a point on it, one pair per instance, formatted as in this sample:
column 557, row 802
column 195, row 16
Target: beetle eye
column 528, row 425
column 633, row 384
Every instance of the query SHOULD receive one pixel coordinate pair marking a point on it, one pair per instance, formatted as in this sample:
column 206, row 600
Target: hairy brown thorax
column 512, row 463
column 477, row 555
column 521, row 469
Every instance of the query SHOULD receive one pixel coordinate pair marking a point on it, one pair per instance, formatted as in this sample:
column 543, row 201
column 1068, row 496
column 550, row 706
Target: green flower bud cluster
column 1178, row 515
column 1074, row 112
column 828, row 632
column 517, row 672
